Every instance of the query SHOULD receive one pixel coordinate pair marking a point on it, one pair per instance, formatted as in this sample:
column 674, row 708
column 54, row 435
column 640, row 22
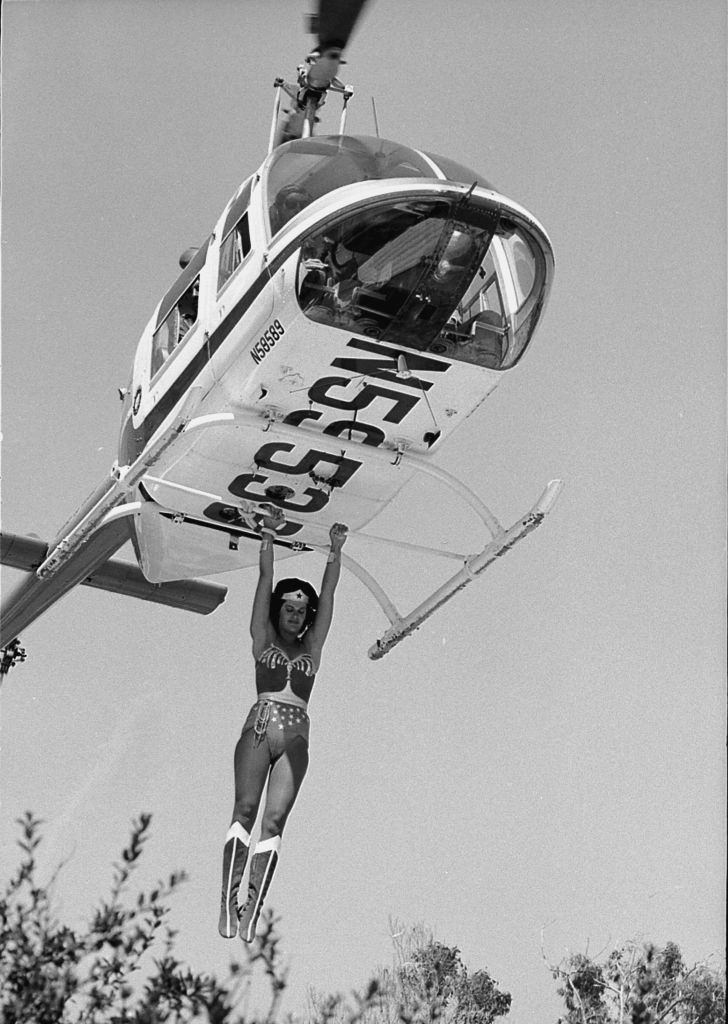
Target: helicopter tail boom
column 93, row 568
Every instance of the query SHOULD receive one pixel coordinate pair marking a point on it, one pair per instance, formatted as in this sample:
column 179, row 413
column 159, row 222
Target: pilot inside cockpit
column 382, row 267
column 458, row 253
column 290, row 200
column 187, row 308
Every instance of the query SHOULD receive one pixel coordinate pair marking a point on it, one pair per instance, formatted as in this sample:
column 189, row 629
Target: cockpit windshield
column 454, row 277
column 433, row 275
column 307, row 169
column 396, row 272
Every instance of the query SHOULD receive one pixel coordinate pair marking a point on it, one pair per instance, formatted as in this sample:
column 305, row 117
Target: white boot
column 262, row 866
column 237, row 844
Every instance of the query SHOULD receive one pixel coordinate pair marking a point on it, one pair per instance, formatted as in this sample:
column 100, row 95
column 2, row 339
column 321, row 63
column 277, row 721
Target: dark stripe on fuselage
column 213, row 342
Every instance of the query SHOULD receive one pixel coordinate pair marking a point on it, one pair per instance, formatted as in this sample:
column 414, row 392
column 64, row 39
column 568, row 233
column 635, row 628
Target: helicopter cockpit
column 306, row 169
column 452, row 277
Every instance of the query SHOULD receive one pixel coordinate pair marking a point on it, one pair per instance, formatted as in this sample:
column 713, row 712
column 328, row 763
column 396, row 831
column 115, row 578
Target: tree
column 52, row 974
column 442, row 976
column 639, row 984
column 429, row 984
column 112, row 970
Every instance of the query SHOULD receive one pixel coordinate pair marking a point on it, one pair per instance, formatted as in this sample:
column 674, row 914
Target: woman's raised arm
column 260, row 627
column 319, row 630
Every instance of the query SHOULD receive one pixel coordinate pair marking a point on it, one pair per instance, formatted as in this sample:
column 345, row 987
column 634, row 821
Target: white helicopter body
column 354, row 303
column 292, row 410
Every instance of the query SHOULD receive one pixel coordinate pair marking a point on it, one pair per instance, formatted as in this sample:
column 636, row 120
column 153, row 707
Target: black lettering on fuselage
column 243, row 487
column 265, row 458
column 373, row 436
column 385, row 365
column 258, row 352
column 368, row 393
column 355, row 394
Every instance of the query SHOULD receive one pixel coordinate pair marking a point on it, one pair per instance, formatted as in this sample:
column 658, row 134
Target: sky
column 543, row 762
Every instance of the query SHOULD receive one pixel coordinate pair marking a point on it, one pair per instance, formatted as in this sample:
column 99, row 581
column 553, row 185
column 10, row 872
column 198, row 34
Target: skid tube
column 402, row 626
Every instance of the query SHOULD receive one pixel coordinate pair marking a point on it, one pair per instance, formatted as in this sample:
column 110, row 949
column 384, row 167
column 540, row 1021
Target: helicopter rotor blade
column 334, row 22
column 333, row 26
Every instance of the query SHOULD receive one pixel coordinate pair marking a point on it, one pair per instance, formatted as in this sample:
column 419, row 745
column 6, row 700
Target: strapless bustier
column 275, row 672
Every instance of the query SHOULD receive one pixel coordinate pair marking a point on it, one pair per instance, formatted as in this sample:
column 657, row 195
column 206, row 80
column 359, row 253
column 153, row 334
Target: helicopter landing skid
column 503, row 541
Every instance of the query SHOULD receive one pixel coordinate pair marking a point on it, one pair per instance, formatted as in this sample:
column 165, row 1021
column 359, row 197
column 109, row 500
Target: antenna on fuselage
column 376, row 122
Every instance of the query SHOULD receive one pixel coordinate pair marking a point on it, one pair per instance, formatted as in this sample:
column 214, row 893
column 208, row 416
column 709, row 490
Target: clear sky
column 548, row 751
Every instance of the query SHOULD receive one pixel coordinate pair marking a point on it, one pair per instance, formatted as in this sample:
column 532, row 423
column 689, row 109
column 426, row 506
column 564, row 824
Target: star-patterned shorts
column 278, row 723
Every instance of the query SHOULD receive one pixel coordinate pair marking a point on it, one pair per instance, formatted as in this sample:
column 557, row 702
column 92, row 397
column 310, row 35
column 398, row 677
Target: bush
column 53, row 974
column 111, row 971
column 428, row 983
column 639, row 984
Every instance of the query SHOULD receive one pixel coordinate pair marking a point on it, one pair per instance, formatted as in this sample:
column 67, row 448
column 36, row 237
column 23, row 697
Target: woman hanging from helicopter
column 288, row 626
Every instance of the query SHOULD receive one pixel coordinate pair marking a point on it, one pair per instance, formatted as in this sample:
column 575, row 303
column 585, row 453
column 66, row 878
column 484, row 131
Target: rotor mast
column 332, row 25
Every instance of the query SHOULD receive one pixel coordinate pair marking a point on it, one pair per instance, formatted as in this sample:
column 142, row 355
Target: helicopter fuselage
column 354, row 303
column 324, row 348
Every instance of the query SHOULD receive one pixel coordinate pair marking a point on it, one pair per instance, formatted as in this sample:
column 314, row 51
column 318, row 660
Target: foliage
column 102, row 974
column 639, row 985
column 428, row 983
column 111, row 970
column 441, row 974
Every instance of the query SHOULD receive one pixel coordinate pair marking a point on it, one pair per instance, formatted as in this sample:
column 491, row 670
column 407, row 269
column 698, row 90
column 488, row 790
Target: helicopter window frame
column 527, row 311
column 168, row 336
column 478, row 297
column 235, row 236
column 235, row 247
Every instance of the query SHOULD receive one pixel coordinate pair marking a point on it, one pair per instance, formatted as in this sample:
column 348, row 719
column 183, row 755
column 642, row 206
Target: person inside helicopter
column 187, row 308
column 289, row 201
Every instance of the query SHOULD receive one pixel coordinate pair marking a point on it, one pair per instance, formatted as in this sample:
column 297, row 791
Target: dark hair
column 285, row 587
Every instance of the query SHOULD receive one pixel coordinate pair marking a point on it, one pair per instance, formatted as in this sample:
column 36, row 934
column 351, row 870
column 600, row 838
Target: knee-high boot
column 237, row 844
column 262, row 865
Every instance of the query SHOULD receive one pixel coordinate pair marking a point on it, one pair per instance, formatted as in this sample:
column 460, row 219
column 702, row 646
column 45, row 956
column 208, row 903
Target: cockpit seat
column 487, row 332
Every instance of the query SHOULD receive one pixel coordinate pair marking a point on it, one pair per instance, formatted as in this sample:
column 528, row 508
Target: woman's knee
column 273, row 823
column 245, row 811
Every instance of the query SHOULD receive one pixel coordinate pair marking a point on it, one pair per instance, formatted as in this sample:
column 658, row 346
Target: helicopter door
column 168, row 344
column 178, row 312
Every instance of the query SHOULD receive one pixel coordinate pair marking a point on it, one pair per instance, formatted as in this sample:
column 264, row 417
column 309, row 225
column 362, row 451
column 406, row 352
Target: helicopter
column 355, row 302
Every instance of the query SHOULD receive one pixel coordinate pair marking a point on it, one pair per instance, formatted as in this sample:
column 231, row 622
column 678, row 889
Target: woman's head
column 293, row 603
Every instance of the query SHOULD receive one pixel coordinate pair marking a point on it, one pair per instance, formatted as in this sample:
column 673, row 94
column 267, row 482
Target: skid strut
column 402, row 626
column 502, row 542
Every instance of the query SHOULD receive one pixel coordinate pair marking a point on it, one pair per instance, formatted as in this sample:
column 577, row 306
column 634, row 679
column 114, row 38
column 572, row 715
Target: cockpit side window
column 178, row 310
column 477, row 330
column 233, row 250
column 176, row 325
column 527, row 271
column 235, row 243
column 494, row 320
